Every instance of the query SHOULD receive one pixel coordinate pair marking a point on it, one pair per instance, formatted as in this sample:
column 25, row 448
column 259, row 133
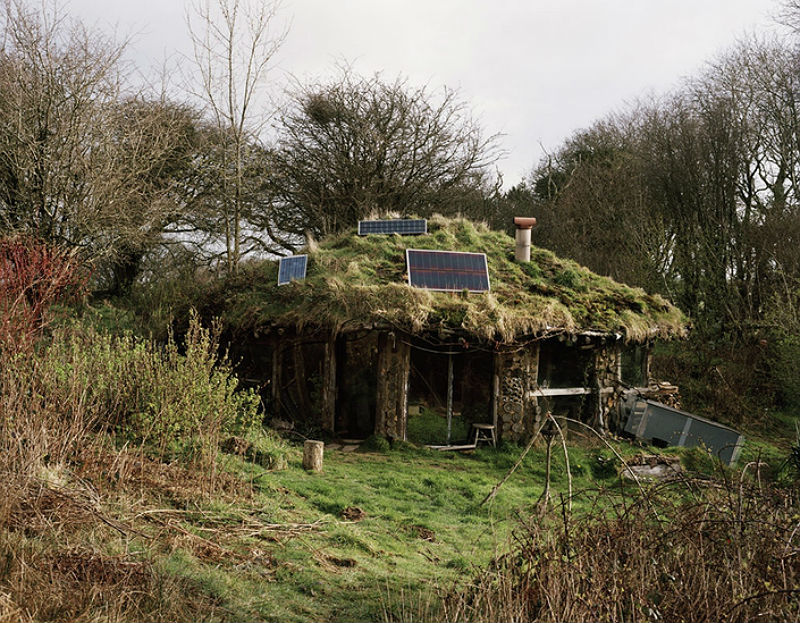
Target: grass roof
column 360, row 281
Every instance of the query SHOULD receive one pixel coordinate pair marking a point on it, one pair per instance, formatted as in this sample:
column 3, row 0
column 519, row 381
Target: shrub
column 713, row 551
column 603, row 464
column 33, row 277
column 375, row 443
column 172, row 401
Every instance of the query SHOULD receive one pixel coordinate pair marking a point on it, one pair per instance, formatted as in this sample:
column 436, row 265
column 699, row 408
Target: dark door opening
column 427, row 396
column 357, row 364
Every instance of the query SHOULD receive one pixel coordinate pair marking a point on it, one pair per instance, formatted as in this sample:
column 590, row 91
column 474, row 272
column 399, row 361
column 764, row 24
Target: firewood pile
column 664, row 392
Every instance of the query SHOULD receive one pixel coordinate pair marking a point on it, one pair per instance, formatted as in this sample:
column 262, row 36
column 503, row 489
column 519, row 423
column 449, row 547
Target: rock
column 652, row 467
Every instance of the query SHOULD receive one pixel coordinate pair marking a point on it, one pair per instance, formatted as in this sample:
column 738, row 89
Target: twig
column 566, row 457
column 741, row 602
column 623, row 461
column 496, row 488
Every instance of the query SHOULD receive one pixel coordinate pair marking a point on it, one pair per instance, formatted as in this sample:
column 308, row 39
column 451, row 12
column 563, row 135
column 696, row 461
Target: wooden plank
column 469, row 446
column 561, row 391
column 567, row 391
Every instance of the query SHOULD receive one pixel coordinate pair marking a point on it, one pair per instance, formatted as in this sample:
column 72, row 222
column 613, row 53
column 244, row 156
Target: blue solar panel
column 292, row 268
column 450, row 271
column 402, row 226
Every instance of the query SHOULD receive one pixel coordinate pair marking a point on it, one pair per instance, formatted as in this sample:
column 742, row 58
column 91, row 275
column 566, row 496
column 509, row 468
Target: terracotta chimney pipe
column 523, row 237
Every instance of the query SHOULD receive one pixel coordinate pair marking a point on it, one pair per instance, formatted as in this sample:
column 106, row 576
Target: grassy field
column 375, row 536
column 381, row 531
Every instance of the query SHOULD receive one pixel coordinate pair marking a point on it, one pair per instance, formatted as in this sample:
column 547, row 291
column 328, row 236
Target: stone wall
column 515, row 413
column 607, row 375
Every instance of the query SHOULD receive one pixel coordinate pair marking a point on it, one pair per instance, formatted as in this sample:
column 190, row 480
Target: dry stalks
column 718, row 551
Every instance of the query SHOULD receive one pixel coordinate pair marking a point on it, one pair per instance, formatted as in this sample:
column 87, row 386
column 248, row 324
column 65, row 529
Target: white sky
column 533, row 70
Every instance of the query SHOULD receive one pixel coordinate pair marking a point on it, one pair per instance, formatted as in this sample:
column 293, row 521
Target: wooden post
column 382, row 388
column 394, row 361
column 277, row 363
column 449, row 396
column 312, row 455
column 329, row 386
column 301, row 378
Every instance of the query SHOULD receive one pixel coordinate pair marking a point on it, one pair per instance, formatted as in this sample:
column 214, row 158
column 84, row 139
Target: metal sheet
column 652, row 420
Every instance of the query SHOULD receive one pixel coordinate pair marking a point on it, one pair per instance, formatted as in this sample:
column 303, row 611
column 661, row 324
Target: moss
column 361, row 280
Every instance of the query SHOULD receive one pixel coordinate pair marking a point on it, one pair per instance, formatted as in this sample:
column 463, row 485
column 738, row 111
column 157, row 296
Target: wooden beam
column 566, row 391
column 329, row 385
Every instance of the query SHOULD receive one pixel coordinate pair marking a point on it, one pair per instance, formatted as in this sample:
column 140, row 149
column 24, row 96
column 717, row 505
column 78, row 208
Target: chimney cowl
column 524, row 222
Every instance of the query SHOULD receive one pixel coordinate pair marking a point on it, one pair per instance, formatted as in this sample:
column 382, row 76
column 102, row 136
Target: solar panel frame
column 401, row 226
column 289, row 270
column 439, row 282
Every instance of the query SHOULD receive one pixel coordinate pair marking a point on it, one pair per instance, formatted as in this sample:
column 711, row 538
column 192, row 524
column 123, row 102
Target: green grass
column 356, row 280
column 424, row 528
column 430, row 428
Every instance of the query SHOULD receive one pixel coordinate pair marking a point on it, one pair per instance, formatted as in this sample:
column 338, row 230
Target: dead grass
column 44, row 581
column 714, row 551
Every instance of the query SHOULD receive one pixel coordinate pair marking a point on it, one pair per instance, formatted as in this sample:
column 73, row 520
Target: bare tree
column 56, row 80
column 83, row 163
column 358, row 145
column 234, row 42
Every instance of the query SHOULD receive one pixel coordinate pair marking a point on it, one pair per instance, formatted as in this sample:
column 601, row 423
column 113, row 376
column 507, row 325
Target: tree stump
column 312, row 455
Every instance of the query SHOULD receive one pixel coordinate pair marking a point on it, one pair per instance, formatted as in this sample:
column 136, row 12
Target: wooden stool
column 484, row 432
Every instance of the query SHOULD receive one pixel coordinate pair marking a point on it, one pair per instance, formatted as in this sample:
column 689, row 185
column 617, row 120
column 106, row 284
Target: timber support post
column 394, row 364
column 329, row 385
column 275, row 381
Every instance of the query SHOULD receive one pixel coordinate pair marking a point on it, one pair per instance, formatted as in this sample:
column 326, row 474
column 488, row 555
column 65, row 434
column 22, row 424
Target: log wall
column 608, row 366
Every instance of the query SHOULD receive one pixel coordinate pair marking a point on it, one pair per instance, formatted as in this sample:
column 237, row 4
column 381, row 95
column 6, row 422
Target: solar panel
column 402, row 226
column 292, row 268
column 449, row 271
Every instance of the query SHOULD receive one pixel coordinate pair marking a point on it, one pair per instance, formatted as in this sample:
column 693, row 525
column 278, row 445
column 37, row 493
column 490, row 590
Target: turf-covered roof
column 360, row 281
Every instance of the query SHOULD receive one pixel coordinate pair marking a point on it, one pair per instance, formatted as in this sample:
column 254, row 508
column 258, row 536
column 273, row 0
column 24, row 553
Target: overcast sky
column 533, row 70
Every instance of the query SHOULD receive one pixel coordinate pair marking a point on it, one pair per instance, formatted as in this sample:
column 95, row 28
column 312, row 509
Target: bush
column 173, row 402
column 603, row 464
column 33, row 277
column 375, row 443
column 713, row 551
